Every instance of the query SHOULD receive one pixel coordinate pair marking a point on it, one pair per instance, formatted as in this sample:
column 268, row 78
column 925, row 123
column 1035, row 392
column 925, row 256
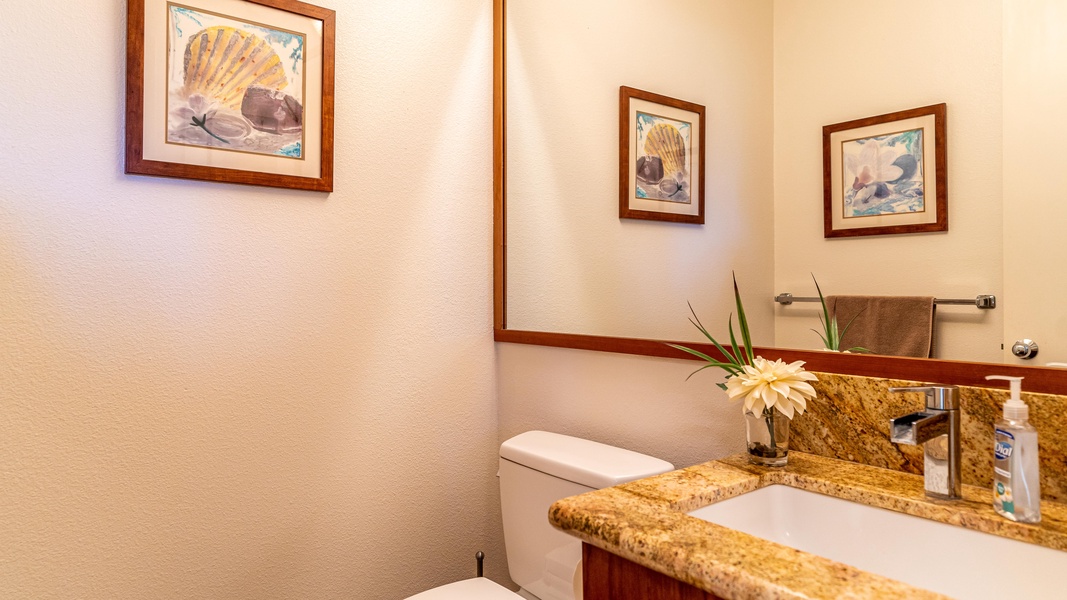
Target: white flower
column 873, row 163
column 764, row 385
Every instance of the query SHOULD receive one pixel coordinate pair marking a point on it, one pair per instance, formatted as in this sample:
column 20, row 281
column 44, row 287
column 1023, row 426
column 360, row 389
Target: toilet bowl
column 536, row 469
column 478, row 588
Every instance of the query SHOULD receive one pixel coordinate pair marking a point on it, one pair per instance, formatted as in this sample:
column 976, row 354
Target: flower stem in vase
column 768, row 441
column 768, row 416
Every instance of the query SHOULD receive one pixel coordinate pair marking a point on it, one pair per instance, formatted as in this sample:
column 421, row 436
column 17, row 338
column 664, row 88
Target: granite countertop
column 645, row 521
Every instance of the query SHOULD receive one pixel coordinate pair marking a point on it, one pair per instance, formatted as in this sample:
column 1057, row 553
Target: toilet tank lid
column 582, row 461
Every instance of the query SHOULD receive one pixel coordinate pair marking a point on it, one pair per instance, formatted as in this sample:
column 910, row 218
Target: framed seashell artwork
column 661, row 157
column 886, row 174
column 234, row 91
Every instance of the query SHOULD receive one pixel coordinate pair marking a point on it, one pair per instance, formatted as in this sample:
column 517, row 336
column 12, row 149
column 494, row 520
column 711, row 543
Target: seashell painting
column 222, row 62
column 271, row 110
column 666, row 143
column 233, row 85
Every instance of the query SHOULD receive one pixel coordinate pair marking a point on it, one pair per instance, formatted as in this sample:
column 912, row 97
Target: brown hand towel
column 889, row 325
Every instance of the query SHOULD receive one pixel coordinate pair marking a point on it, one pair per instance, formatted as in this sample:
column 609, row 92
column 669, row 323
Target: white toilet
column 536, row 469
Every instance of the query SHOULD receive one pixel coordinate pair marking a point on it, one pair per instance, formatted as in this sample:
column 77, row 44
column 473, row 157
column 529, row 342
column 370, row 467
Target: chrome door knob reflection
column 1025, row 349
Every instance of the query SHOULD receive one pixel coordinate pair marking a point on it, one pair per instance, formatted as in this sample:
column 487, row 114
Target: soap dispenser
column 1016, row 483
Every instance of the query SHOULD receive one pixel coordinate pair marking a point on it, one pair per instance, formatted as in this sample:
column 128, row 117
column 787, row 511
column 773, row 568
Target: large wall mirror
column 569, row 272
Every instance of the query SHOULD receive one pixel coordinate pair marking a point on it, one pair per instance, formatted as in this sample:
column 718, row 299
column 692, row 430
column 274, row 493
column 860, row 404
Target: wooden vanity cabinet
column 606, row 576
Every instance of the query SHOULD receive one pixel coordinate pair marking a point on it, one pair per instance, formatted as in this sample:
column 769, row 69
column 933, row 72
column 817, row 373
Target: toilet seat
column 478, row 588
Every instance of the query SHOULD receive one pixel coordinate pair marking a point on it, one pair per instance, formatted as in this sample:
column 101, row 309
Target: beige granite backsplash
column 849, row 420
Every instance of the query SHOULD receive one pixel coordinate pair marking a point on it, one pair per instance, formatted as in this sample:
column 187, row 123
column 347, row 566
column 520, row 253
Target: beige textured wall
column 839, row 60
column 635, row 402
column 213, row 391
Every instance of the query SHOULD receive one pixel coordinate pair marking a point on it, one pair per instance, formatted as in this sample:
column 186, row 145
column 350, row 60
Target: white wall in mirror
column 572, row 265
column 836, row 61
column 1035, row 92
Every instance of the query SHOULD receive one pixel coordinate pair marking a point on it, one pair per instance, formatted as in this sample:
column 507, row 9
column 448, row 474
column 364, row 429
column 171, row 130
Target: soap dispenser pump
column 1016, row 477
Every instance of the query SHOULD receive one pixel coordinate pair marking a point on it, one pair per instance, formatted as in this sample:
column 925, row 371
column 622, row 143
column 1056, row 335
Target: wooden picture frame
column 234, row 91
column 878, row 177
column 661, row 158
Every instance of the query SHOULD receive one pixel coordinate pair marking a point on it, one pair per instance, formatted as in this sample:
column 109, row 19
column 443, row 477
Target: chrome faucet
column 938, row 429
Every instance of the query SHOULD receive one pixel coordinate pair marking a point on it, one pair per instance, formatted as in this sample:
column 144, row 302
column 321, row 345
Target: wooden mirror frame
column 1038, row 379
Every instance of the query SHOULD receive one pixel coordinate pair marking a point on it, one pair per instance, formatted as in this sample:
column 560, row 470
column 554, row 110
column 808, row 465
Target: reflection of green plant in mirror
column 831, row 335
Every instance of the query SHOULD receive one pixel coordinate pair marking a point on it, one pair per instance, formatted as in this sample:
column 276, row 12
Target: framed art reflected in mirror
column 661, row 157
column 886, row 174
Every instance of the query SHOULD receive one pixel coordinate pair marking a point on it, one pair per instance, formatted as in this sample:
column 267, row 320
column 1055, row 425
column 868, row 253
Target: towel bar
column 985, row 301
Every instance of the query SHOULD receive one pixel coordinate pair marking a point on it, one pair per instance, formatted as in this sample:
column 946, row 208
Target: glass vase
column 768, row 438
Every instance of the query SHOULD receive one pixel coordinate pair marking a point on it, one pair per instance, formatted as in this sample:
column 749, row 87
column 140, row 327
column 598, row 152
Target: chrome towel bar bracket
column 984, row 301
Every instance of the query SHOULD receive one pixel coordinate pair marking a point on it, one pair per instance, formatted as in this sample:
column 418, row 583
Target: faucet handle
column 938, row 397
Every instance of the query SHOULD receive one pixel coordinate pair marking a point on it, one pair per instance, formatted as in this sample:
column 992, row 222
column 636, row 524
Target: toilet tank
column 536, row 469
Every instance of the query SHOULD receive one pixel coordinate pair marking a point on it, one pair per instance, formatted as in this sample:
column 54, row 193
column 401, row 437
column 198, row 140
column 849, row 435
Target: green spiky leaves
column 737, row 356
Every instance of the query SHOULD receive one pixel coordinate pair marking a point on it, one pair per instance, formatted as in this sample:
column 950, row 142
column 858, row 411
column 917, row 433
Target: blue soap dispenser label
column 1002, row 450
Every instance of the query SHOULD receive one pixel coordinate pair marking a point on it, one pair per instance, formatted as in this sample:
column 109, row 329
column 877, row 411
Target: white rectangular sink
column 950, row 560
